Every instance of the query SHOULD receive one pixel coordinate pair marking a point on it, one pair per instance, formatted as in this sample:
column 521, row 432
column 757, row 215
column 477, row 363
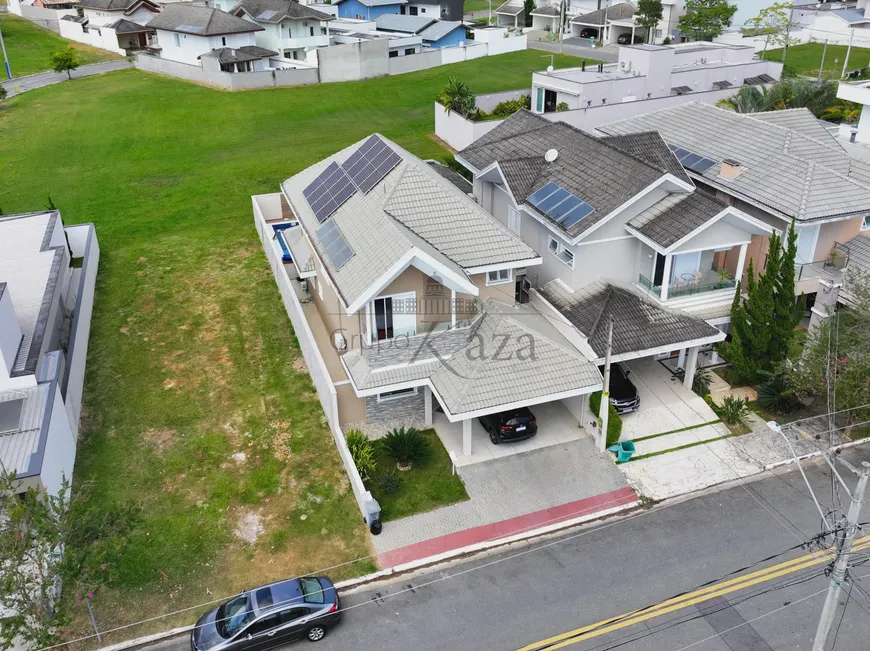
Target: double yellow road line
column 689, row 599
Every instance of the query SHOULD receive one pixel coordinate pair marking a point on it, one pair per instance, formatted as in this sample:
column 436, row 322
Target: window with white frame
column 561, row 251
column 865, row 225
column 499, row 276
column 514, row 219
column 395, row 395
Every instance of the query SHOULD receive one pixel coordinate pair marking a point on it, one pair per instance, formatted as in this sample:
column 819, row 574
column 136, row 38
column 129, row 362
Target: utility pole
column 5, row 56
column 848, row 51
column 822, row 64
column 843, row 544
column 604, row 408
column 787, row 32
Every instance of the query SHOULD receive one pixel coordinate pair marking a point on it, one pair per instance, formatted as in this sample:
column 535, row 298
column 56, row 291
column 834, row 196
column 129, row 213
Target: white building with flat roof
column 47, row 279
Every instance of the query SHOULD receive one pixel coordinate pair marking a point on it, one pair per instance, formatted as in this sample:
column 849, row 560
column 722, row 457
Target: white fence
column 101, row 37
column 83, row 244
column 48, row 18
column 271, row 204
column 459, row 132
column 227, row 80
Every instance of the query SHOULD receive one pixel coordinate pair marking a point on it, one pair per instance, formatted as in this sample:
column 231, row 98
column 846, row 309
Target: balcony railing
column 680, row 289
column 830, row 268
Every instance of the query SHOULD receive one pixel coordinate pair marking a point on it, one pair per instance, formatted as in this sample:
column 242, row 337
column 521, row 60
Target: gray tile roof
column 638, row 323
column 111, row 5
column 244, row 53
column 851, row 16
column 200, row 21
column 511, row 8
column 617, row 12
column 440, row 29
column 668, row 221
column 603, row 174
column 802, row 121
column 454, row 177
column 274, row 11
column 552, row 12
column 403, row 23
column 784, row 170
column 528, row 346
column 858, row 263
column 124, row 26
column 377, row 3
column 650, row 147
column 413, row 206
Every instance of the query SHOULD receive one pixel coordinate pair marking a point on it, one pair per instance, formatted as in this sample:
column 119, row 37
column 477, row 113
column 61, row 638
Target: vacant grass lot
column 807, row 57
column 198, row 405
column 29, row 47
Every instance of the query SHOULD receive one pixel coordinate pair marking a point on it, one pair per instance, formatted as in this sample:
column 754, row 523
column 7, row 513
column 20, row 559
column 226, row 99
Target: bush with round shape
column 614, row 420
column 389, row 482
column 733, row 410
column 406, row 446
column 775, row 394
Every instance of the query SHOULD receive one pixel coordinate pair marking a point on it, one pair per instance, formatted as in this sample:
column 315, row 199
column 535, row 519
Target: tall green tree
column 528, row 8
column 774, row 24
column 648, row 15
column 706, row 19
column 787, row 312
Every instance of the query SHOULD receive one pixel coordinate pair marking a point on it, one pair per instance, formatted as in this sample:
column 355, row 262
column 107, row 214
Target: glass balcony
column 691, row 284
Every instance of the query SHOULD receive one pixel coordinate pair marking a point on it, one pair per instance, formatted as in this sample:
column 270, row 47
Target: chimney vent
column 730, row 168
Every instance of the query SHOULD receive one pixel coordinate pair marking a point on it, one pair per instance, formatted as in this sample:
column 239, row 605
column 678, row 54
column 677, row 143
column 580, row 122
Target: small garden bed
column 427, row 485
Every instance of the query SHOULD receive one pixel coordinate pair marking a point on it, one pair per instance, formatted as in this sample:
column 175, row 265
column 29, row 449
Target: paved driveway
column 30, row 82
column 665, row 404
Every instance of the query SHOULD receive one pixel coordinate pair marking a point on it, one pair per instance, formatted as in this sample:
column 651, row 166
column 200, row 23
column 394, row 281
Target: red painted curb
column 505, row 528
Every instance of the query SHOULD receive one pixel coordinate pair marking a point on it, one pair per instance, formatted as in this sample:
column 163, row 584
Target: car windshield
column 313, row 590
column 233, row 616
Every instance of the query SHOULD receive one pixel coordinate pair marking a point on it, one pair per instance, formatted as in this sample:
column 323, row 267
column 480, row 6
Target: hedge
column 614, row 420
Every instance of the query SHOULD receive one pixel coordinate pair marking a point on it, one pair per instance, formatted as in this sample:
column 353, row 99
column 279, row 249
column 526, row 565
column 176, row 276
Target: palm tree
column 749, row 99
column 784, row 94
column 457, row 96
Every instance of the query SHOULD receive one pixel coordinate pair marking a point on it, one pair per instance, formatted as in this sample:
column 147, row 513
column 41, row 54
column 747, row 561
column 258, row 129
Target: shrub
column 774, row 394
column 701, row 382
column 667, row 40
column 362, row 451
column 458, row 96
column 614, row 420
column 509, row 107
column 406, row 446
column 389, row 482
column 733, row 410
column 561, row 106
column 3, row 93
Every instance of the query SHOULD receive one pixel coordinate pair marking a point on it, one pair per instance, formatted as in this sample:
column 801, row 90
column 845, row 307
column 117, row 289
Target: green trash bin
column 624, row 451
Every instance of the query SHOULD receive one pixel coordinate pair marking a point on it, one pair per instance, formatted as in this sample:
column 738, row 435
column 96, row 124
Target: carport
column 511, row 14
column 544, row 17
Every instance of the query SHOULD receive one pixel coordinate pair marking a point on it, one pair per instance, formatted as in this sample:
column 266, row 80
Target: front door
column 521, row 289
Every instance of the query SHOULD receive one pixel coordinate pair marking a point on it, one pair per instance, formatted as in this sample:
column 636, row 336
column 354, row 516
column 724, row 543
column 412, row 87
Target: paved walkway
column 21, row 84
column 502, row 492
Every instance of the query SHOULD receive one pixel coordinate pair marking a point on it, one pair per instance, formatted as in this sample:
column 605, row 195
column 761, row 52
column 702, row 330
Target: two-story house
column 369, row 9
column 290, row 28
column 777, row 166
column 103, row 12
column 626, row 232
column 408, row 289
column 186, row 33
column 607, row 23
column 47, row 280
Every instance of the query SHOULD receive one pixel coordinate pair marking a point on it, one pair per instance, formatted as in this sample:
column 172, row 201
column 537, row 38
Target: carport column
column 466, row 437
column 681, row 360
column 427, row 406
column 691, row 365
column 666, row 277
column 741, row 260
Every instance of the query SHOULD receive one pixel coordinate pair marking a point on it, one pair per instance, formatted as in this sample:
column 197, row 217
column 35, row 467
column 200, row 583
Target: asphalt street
column 20, row 84
column 724, row 552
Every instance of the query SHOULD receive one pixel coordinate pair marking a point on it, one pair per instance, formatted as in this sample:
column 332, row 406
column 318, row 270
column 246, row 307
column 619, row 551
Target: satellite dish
column 549, row 68
column 551, row 155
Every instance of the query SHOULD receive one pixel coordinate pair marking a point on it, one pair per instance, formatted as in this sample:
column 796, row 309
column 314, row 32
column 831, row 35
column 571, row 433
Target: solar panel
column 560, row 205
column 337, row 249
column 328, row 192
column 369, row 164
column 690, row 160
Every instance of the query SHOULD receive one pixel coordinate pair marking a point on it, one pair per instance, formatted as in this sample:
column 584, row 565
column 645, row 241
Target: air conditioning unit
column 303, row 287
column 339, row 342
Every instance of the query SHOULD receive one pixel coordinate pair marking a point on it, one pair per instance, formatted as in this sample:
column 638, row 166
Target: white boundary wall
column 83, row 242
column 48, row 18
column 101, row 37
column 227, row 80
column 458, row 132
column 307, row 344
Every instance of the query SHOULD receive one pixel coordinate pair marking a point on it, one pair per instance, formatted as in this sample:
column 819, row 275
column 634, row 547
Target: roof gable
column 275, row 11
column 200, row 21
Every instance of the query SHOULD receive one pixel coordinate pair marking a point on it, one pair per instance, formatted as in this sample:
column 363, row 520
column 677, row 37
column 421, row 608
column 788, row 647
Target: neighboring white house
column 103, row 12
column 652, row 71
column 610, row 22
column 290, row 28
column 47, row 279
column 187, row 32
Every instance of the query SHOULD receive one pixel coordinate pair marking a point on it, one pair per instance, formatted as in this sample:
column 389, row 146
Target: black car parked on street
column 623, row 393
column 514, row 425
column 269, row 616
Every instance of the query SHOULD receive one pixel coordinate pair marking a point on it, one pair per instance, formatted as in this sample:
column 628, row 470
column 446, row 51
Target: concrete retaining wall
column 489, row 102
column 458, row 132
column 48, row 18
column 354, row 61
column 227, row 80
column 307, row 344
column 415, row 62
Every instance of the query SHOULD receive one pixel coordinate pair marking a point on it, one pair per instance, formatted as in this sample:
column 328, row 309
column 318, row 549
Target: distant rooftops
column 274, row 11
column 200, row 21
column 621, row 11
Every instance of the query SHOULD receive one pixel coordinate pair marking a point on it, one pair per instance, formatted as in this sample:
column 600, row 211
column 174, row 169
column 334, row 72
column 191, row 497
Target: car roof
column 278, row 595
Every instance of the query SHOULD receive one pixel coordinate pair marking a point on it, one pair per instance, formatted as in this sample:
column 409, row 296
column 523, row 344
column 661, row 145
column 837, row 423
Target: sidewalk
column 18, row 85
column 509, row 496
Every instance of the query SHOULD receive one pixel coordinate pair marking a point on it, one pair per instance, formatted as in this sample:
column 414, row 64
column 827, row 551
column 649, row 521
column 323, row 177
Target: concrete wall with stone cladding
column 381, row 417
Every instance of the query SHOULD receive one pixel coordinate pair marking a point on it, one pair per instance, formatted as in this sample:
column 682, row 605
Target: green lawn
column 192, row 359
column 807, row 57
column 29, row 47
column 425, row 487
column 481, row 5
